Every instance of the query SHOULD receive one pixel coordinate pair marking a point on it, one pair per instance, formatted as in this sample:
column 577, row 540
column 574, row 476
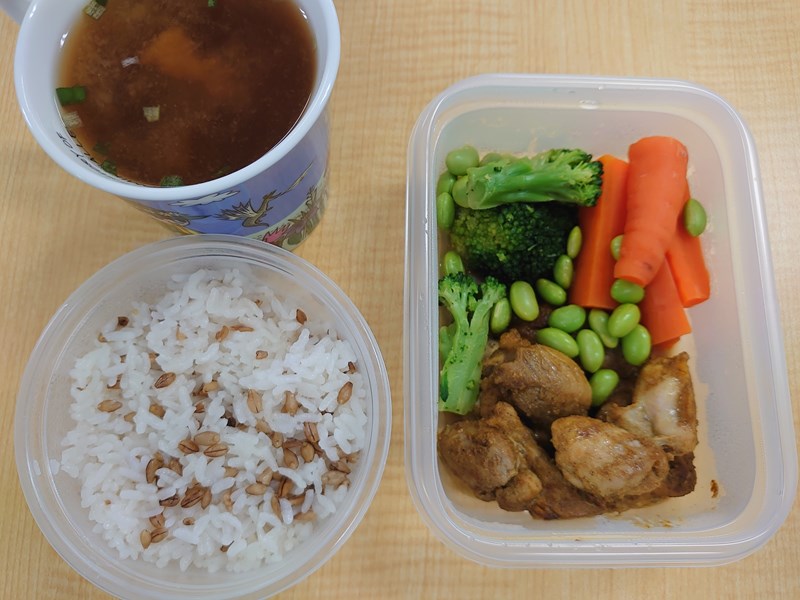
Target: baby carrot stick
column 662, row 311
column 594, row 265
column 685, row 258
column 656, row 186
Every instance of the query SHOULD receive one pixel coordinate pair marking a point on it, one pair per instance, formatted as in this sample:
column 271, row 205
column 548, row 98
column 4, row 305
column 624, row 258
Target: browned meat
column 663, row 407
column 605, row 460
column 491, row 462
column 542, row 383
column 527, row 478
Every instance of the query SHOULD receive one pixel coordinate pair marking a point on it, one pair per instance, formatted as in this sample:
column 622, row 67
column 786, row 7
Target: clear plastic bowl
column 747, row 445
column 42, row 416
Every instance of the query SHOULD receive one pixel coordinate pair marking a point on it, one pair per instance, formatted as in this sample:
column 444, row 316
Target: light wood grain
column 396, row 56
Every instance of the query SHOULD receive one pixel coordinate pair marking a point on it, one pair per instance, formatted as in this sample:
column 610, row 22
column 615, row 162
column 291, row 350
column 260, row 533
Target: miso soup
column 177, row 92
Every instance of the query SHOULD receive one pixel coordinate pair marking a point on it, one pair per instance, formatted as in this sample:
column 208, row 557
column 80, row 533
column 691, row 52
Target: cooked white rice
column 214, row 328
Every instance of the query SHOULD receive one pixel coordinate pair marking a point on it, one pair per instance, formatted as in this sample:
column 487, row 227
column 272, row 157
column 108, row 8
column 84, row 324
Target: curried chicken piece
column 497, row 457
column 605, row 460
column 663, row 407
column 541, row 382
column 491, row 462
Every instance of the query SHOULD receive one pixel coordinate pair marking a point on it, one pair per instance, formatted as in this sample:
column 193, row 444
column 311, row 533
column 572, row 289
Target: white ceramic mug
column 279, row 198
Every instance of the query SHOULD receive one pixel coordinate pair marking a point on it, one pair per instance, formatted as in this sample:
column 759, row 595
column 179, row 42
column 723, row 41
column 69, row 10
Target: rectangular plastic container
column 747, row 446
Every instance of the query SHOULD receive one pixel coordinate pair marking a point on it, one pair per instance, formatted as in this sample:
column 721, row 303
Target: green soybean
column 623, row 319
column 500, row 318
column 626, row 292
column 459, row 192
column 559, row 340
column 603, row 384
column 452, row 262
column 490, row 157
column 574, row 242
column 590, row 350
column 445, row 183
column 523, row 300
column 563, row 270
column 551, row 292
column 445, row 210
column 461, row 159
column 598, row 322
column 616, row 245
column 694, row 217
column 567, row 318
column 636, row 345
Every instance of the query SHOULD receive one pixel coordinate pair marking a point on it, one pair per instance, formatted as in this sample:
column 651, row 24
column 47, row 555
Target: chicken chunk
column 605, row 460
column 498, row 458
column 541, row 382
column 489, row 461
column 663, row 407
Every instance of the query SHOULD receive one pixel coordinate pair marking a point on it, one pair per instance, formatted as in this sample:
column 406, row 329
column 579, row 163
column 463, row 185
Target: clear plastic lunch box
column 746, row 460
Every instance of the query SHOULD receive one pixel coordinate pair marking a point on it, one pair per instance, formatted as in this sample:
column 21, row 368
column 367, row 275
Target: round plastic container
column 42, row 417
column 746, row 460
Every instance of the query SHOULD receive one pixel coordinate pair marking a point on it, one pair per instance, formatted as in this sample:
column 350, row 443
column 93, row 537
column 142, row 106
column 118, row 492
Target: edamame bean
column 598, row 321
column 590, row 350
column 563, row 271
column 523, row 300
column 445, row 183
column 490, row 157
column 461, row 159
column 603, row 384
column 694, row 217
column 551, row 292
column 616, row 245
column 459, row 192
column 500, row 318
column 445, row 210
column 452, row 262
column 636, row 345
column 623, row 319
column 567, row 318
column 574, row 242
column 624, row 291
column 559, row 340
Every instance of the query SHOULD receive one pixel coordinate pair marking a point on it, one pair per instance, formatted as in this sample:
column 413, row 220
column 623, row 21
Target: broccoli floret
column 465, row 338
column 515, row 241
column 564, row 175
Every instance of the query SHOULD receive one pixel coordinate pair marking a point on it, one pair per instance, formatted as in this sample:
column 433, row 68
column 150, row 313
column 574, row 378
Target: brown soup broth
column 230, row 82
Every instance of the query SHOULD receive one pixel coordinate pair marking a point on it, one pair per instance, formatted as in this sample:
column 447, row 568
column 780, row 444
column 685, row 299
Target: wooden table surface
column 396, row 56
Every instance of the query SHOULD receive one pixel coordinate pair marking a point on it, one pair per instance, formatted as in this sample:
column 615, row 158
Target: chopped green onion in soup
column 171, row 181
column 71, row 95
column 109, row 167
column 152, row 113
column 71, row 119
column 95, row 8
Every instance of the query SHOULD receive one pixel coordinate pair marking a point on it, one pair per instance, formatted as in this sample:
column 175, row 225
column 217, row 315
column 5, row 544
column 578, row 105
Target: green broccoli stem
column 465, row 339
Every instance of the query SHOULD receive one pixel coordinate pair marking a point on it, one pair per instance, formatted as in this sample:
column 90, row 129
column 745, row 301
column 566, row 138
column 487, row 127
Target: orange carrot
column 656, row 186
column 594, row 265
column 685, row 258
column 662, row 311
